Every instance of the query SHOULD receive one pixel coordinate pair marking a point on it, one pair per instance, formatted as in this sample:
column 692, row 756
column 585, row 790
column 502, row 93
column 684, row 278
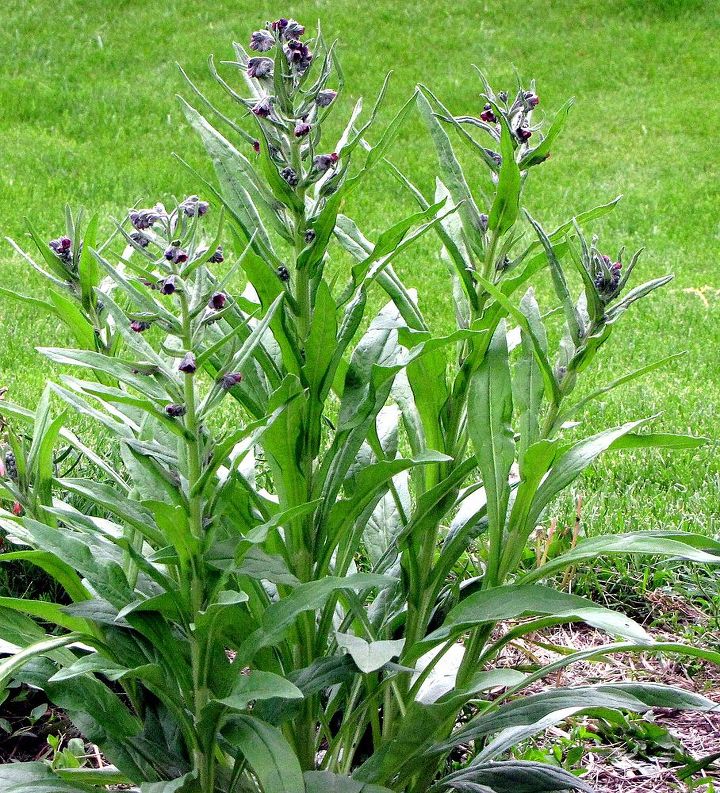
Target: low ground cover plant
column 266, row 588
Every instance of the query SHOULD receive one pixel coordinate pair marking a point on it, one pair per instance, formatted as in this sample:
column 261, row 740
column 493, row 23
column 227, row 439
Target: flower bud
column 144, row 218
column 174, row 253
column 309, row 236
column 168, row 285
column 301, row 130
column 289, row 175
column 217, row 257
column 175, row 411
column 503, row 96
column 298, row 55
column 283, row 273
column 188, row 365
column 483, row 222
column 262, row 108
column 11, row 466
column 261, row 41
column 138, row 326
column 62, row 248
column 532, row 99
column 192, row 206
column 325, row 161
column 217, row 301
column 279, row 25
column 259, row 68
column 230, row 380
column 256, row 146
column 523, row 133
column 17, row 509
column 325, row 97
column 487, row 115
column 140, row 239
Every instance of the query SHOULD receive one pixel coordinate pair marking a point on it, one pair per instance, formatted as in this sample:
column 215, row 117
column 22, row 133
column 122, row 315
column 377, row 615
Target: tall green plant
column 265, row 596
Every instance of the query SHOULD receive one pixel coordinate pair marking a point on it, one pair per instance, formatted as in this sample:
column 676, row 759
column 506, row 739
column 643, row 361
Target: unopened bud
column 188, row 365
column 217, row 301
column 138, row 326
column 230, row 380
column 175, row 411
column 325, row 97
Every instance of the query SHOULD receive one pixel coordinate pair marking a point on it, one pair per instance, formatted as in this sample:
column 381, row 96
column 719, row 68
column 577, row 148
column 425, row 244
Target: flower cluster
column 62, row 248
column 607, row 275
column 143, row 219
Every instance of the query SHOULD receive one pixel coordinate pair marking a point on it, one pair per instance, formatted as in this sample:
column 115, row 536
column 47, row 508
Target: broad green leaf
column 506, row 206
column 327, row 782
column 36, row 778
column 258, row 685
column 542, row 151
column 369, row 656
column 10, row 665
column 514, row 776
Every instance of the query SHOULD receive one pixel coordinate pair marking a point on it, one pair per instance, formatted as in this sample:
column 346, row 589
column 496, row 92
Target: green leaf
column 327, row 782
column 88, row 272
column 506, row 206
column 268, row 754
column 514, row 776
column 46, row 611
column 10, row 665
column 258, row 685
column 514, row 601
column 542, row 151
column 369, row 656
column 658, row 440
column 36, row 778
column 184, row 784
column 489, row 415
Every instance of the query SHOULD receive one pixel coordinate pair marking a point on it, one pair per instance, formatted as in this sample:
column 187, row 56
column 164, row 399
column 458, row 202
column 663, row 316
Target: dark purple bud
column 617, row 266
column 261, row 41
column 217, row 301
column 487, row 115
column 279, row 24
column 523, row 133
column 230, row 380
column 168, row 285
column 309, row 236
column 217, row 257
column 192, row 206
column 503, row 96
column 289, row 175
column 532, row 99
column 325, row 97
column 325, row 161
column 138, row 326
column 62, row 248
column 140, row 239
column 175, row 411
column 283, row 273
column 259, row 68
column 301, row 130
column 176, row 254
column 256, row 146
column 144, row 218
column 262, row 108
column 483, row 221
column 188, row 365
column 11, row 466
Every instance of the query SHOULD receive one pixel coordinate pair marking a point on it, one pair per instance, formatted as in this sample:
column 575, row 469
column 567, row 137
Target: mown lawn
column 89, row 117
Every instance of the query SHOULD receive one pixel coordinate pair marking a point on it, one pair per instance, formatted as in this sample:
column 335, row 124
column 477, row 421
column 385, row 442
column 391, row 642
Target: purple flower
column 192, row 206
column 188, row 365
column 293, row 29
column 144, row 218
column 176, row 254
column 309, row 236
column 298, row 54
column 228, row 381
column 262, row 108
column 283, row 273
column 62, row 248
column 532, row 99
column 140, row 239
column 261, row 41
column 301, row 130
column 217, row 301
column 325, row 161
column 279, row 24
column 138, row 326
column 487, row 115
column 259, row 68
column 289, row 175
column 217, row 257
column 325, row 97
column 168, row 285
column 175, row 411
column 523, row 133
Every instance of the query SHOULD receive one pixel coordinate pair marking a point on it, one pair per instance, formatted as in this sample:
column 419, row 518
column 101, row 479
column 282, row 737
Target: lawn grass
column 89, row 117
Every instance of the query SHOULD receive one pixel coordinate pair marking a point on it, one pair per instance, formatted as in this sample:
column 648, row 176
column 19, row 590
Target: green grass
column 89, row 117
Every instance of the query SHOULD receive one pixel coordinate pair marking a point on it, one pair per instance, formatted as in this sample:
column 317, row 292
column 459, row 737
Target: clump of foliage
column 265, row 595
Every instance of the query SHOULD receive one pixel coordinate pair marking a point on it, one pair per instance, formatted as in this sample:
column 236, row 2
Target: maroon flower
column 325, row 161
column 17, row 508
column 262, row 108
column 256, row 146
column 487, row 115
column 298, row 54
column 192, row 206
column 62, row 248
column 325, row 97
column 217, row 301
column 138, row 326
column 188, row 365
column 144, row 218
column 532, row 99
column 301, row 130
column 259, row 68
column 168, row 285
column 175, row 411
column 279, row 24
column 261, row 41
column 174, row 253
column 217, row 257
column 523, row 133
column 230, row 380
